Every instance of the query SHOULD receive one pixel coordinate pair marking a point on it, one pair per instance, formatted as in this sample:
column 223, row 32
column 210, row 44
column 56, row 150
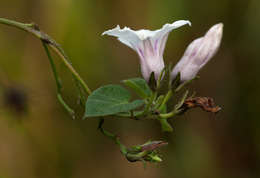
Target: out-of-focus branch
column 33, row 29
column 47, row 41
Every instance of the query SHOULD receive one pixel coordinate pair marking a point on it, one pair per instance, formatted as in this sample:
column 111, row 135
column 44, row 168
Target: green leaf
column 130, row 114
column 140, row 86
column 110, row 100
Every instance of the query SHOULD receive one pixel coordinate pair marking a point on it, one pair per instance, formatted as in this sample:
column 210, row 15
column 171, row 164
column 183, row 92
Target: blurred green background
column 39, row 139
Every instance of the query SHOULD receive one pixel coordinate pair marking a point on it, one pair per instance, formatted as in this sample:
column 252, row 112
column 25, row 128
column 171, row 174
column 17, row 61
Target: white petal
column 125, row 35
column 169, row 27
column 132, row 38
column 186, row 59
column 144, row 34
column 148, row 44
column 210, row 45
column 160, row 37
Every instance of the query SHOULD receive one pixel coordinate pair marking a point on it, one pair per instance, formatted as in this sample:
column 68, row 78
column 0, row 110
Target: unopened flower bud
column 145, row 152
column 198, row 53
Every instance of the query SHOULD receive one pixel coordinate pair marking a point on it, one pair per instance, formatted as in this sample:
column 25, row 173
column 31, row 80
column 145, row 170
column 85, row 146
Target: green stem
column 168, row 115
column 149, row 104
column 30, row 28
column 115, row 138
column 165, row 100
column 182, row 85
column 34, row 30
column 54, row 70
column 72, row 70
column 66, row 106
column 58, row 83
column 12, row 23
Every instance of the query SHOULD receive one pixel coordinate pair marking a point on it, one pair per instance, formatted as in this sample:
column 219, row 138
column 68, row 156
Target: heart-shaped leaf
column 140, row 86
column 110, row 100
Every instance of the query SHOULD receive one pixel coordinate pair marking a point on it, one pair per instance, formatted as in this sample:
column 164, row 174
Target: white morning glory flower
column 198, row 53
column 149, row 45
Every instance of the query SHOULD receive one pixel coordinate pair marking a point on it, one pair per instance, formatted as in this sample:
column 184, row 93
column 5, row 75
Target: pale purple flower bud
column 149, row 45
column 198, row 53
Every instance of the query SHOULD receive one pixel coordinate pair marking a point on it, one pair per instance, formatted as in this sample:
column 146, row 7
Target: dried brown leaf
column 205, row 103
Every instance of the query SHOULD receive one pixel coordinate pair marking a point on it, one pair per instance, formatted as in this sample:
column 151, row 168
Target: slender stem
column 54, row 70
column 22, row 26
column 66, row 106
column 34, row 30
column 115, row 138
column 30, row 28
column 168, row 115
column 58, row 83
column 158, row 102
column 73, row 71
column 149, row 104
column 166, row 98
column 182, row 85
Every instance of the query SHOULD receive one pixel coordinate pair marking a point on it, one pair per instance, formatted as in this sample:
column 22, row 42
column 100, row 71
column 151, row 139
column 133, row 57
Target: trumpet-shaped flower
column 198, row 53
column 149, row 45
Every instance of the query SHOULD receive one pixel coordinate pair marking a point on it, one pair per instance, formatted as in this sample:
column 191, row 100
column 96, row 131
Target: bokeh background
column 39, row 139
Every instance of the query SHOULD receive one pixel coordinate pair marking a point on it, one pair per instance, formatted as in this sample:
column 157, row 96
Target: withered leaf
column 153, row 145
column 205, row 103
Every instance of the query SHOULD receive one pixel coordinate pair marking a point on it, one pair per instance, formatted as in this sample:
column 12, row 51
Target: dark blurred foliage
column 15, row 99
column 46, row 142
